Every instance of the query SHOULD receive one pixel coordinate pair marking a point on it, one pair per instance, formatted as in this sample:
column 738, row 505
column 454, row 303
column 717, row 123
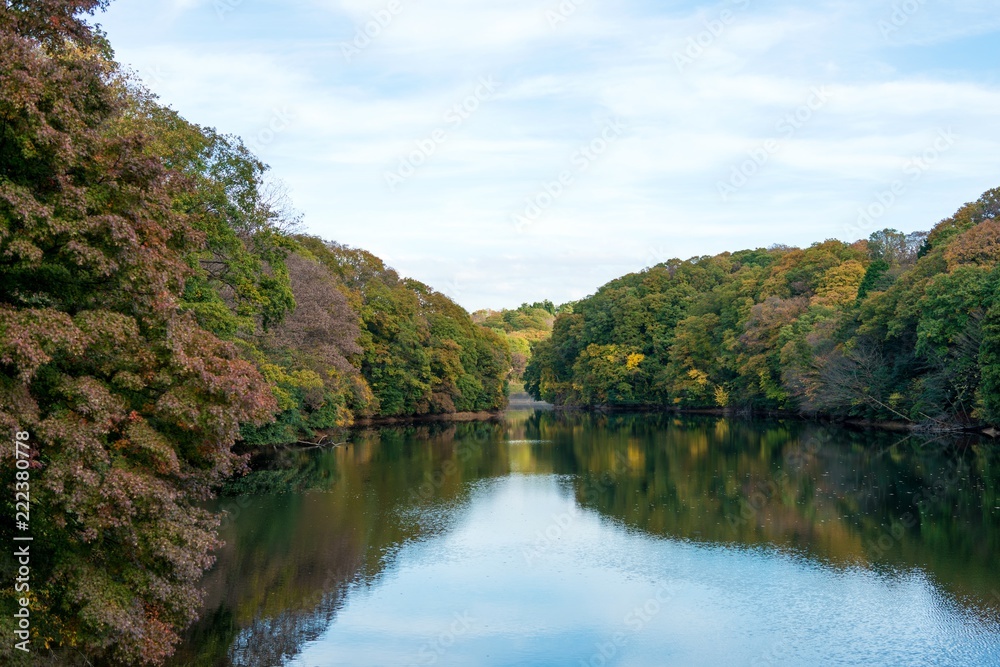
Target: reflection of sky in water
column 522, row 576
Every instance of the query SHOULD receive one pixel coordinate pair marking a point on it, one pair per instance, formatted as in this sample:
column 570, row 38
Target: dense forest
column 902, row 327
column 521, row 328
column 157, row 307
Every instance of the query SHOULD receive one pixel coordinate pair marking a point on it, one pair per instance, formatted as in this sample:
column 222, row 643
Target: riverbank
column 930, row 427
column 524, row 401
column 518, row 401
column 427, row 419
column 521, row 402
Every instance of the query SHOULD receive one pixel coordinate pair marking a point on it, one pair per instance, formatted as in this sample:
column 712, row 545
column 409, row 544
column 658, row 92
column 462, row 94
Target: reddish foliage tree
column 131, row 407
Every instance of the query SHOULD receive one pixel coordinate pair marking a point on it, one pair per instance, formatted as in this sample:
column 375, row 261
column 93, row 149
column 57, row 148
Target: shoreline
column 521, row 405
column 365, row 422
column 515, row 402
column 884, row 425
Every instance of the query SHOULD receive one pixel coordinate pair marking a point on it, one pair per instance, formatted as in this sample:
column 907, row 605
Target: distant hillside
column 900, row 327
column 521, row 328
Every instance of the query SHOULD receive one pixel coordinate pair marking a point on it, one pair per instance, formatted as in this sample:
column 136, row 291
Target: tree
column 988, row 393
column 132, row 408
column 608, row 374
column 873, row 279
column 840, row 285
column 421, row 352
column 888, row 245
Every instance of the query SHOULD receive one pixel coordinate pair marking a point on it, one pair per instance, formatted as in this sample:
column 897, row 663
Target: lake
column 553, row 538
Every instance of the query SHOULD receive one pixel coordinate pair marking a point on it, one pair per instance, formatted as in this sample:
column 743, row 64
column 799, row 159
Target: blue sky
column 516, row 150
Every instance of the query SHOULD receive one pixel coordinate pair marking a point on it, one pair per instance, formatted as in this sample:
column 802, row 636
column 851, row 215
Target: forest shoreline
column 488, row 415
column 882, row 425
column 955, row 429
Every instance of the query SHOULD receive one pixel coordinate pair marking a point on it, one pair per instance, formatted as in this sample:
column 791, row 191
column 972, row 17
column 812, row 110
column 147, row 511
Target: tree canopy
column 899, row 327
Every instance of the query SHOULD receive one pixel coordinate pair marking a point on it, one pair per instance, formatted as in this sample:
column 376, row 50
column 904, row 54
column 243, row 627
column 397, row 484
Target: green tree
column 898, row 326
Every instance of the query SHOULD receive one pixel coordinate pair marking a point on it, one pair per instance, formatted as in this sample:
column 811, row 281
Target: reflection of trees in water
column 845, row 497
column 320, row 523
column 279, row 581
column 275, row 640
column 325, row 521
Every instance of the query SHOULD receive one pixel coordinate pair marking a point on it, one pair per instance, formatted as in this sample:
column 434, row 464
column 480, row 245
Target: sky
column 510, row 151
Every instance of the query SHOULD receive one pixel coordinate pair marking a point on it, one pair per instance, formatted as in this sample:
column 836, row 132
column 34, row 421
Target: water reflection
column 571, row 522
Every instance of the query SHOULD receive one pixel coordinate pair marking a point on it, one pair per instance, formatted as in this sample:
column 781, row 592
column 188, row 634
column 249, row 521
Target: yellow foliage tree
column 839, row 285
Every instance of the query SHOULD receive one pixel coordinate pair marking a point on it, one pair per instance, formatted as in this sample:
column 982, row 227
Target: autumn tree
column 132, row 407
column 421, row 352
column 897, row 326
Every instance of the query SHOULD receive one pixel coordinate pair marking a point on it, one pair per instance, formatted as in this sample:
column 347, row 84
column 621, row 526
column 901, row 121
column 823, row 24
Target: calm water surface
column 571, row 539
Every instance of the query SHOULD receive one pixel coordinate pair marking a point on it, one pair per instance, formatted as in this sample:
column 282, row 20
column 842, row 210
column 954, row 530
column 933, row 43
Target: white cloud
column 654, row 188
